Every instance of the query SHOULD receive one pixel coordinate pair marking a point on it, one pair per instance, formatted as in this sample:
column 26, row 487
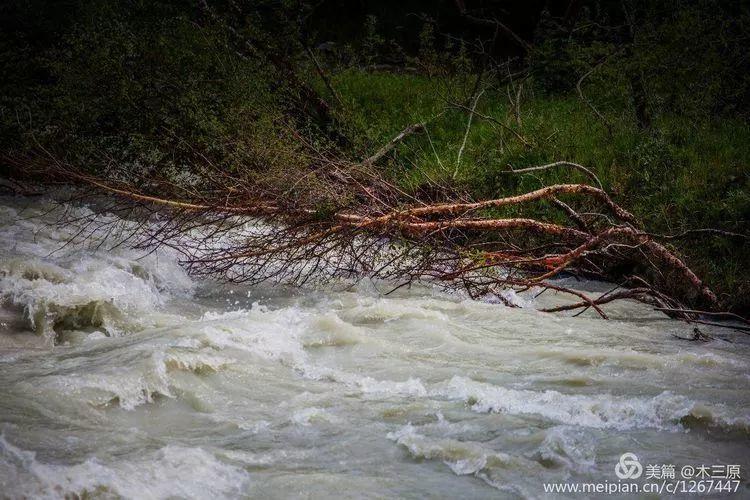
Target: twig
column 410, row 130
column 466, row 134
column 720, row 314
column 718, row 232
column 604, row 120
column 323, row 76
column 570, row 213
column 494, row 120
column 576, row 166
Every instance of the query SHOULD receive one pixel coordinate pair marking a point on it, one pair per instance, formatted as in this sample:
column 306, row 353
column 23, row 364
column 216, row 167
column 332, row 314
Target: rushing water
column 161, row 386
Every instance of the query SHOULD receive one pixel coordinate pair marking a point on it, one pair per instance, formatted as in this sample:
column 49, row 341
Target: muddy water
column 160, row 386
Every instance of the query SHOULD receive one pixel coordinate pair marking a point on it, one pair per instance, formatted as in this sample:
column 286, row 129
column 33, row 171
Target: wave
column 309, row 416
column 469, row 458
column 666, row 411
column 170, row 472
column 59, row 284
column 567, row 447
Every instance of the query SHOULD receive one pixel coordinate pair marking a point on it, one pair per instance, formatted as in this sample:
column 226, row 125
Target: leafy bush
column 140, row 85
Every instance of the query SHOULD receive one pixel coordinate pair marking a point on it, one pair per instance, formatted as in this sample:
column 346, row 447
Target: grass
column 683, row 174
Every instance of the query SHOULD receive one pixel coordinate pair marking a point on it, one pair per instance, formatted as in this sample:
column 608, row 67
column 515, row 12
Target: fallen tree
column 365, row 226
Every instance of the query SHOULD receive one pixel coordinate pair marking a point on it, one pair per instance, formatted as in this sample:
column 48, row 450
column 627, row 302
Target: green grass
column 683, row 174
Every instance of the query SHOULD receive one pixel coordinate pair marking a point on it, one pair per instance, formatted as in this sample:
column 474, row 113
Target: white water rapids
column 160, row 386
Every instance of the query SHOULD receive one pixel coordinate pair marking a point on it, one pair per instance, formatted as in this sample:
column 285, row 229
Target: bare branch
column 466, row 134
column 576, row 166
column 408, row 131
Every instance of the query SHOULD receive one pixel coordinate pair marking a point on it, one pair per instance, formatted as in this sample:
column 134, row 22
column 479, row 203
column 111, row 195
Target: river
column 162, row 386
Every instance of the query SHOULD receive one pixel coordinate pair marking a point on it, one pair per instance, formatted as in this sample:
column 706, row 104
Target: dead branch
column 574, row 216
column 391, row 236
column 576, row 166
column 543, row 193
column 323, row 76
column 715, row 314
column 598, row 114
column 515, row 102
column 408, row 131
column 494, row 120
column 624, row 294
column 466, row 134
column 690, row 232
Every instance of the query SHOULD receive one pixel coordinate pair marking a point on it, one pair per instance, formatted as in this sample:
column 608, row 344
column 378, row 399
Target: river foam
column 60, row 287
column 147, row 383
column 172, row 471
